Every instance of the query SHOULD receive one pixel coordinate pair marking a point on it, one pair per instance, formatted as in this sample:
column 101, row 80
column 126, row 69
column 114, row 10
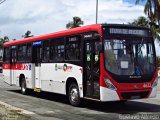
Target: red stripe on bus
column 16, row 66
column 94, row 27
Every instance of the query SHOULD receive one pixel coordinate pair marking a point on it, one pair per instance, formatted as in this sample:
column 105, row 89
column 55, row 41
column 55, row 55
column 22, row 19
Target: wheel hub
column 74, row 94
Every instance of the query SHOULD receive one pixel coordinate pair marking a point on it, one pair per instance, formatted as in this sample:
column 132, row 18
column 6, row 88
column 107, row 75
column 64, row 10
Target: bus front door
column 13, row 66
column 91, row 71
column 37, row 52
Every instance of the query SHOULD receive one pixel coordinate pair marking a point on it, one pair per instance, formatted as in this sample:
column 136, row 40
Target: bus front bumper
column 111, row 95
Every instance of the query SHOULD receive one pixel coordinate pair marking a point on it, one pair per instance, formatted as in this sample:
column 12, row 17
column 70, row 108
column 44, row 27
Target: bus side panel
column 6, row 73
column 108, row 95
column 26, row 70
column 51, row 79
column 153, row 93
column 55, row 75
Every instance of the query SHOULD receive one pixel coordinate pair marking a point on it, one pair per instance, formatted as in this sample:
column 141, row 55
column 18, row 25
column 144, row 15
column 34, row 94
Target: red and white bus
column 107, row 62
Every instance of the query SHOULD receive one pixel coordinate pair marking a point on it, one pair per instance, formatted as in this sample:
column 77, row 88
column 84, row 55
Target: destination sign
column 127, row 31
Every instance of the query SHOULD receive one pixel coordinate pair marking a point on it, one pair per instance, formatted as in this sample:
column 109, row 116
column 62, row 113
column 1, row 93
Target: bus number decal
column 26, row 67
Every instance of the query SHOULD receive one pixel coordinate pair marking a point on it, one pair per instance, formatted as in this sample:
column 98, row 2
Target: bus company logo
column 58, row 67
column 6, row 66
column 25, row 67
column 30, row 66
column 67, row 68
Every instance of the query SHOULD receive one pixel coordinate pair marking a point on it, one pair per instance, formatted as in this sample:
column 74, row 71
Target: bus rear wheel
column 73, row 94
column 23, row 87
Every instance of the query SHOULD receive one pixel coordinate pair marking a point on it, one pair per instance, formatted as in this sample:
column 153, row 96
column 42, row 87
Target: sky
column 47, row 16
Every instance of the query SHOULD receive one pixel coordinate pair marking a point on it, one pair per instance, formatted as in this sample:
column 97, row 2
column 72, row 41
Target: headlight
column 109, row 84
column 155, row 82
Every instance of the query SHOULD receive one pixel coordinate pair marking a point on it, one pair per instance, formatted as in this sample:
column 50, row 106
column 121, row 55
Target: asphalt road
column 52, row 106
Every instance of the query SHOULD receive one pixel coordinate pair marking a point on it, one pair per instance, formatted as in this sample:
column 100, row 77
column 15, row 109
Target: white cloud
column 43, row 16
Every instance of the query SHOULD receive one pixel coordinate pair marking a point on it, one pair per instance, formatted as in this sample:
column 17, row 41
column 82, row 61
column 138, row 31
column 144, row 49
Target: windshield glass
column 129, row 56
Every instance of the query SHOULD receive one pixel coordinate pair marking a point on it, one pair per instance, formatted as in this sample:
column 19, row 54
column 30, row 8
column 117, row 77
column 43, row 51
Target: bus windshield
column 134, row 56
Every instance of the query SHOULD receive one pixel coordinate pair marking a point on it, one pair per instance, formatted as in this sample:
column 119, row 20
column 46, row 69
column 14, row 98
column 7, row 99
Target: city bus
column 102, row 62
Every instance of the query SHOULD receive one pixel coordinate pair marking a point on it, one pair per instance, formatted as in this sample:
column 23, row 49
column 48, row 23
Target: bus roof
column 94, row 27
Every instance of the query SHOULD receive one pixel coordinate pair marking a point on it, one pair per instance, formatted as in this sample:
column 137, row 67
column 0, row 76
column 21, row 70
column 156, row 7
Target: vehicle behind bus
column 99, row 62
column 1, row 67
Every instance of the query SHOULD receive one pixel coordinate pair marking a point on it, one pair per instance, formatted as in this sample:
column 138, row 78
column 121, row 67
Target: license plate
column 135, row 97
column 37, row 90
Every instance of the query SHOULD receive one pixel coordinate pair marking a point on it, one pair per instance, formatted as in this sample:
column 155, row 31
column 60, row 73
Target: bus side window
column 21, row 55
column 46, row 47
column 28, row 52
column 6, row 56
column 72, row 48
column 57, row 50
column 52, row 50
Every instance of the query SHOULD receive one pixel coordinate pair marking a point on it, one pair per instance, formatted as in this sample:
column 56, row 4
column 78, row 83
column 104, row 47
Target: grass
column 8, row 114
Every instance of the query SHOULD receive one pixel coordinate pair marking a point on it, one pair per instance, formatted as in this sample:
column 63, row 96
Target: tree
column 27, row 34
column 2, row 1
column 141, row 21
column 75, row 23
column 3, row 40
column 145, row 22
column 152, row 9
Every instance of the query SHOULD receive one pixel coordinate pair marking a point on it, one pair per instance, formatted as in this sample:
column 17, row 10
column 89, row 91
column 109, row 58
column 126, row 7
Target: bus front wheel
column 73, row 94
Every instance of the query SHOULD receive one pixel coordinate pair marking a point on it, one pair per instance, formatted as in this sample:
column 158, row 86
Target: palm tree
column 75, row 23
column 27, row 34
column 157, row 11
column 141, row 21
column 145, row 22
column 152, row 9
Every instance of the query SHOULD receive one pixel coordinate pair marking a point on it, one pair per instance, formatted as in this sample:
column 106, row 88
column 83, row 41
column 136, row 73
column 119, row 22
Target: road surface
column 51, row 106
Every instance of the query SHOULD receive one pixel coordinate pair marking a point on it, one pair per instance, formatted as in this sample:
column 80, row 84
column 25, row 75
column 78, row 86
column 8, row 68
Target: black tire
column 24, row 89
column 73, row 95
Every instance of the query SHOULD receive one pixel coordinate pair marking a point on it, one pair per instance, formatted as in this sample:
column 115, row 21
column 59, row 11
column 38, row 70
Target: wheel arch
column 68, row 83
column 20, row 78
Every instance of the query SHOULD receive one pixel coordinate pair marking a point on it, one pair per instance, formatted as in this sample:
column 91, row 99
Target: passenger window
column 57, row 50
column 73, row 48
column 45, row 51
column 28, row 52
column 21, row 56
column 6, row 58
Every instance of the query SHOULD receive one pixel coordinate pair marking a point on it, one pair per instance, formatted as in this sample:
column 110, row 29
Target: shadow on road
column 130, row 107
